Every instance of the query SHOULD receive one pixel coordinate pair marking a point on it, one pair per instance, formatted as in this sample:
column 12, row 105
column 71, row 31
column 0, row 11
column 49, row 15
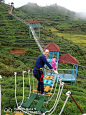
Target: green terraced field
column 14, row 35
column 76, row 38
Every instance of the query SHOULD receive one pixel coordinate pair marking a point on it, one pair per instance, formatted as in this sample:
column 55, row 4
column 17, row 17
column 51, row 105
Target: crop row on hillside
column 78, row 39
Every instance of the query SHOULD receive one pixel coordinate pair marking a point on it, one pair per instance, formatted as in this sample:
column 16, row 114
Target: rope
column 15, row 88
column 76, row 104
column 33, row 79
column 23, row 88
column 54, row 91
column 36, row 58
column 53, row 82
column 68, row 94
column 15, row 73
column 19, row 19
column 29, row 82
column 74, row 100
column 36, row 39
column 72, row 63
column 18, row 56
column 18, row 107
column 10, row 74
column 56, row 102
column 33, row 88
column 57, row 99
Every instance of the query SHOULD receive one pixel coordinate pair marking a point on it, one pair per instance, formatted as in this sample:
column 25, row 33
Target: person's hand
column 56, row 72
column 52, row 70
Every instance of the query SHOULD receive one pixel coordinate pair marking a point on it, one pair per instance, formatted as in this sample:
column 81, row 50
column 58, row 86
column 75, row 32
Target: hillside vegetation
column 78, row 39
column 14, row 35
column 71, row 28
column 59, row 21
column 60, row 18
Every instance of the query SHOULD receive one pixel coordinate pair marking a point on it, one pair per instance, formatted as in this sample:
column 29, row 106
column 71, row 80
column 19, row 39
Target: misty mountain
column 51, row 12
column 54, row 15
column 81, row 15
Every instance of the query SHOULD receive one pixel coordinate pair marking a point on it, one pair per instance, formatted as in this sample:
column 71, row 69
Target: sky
column 73, row 5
